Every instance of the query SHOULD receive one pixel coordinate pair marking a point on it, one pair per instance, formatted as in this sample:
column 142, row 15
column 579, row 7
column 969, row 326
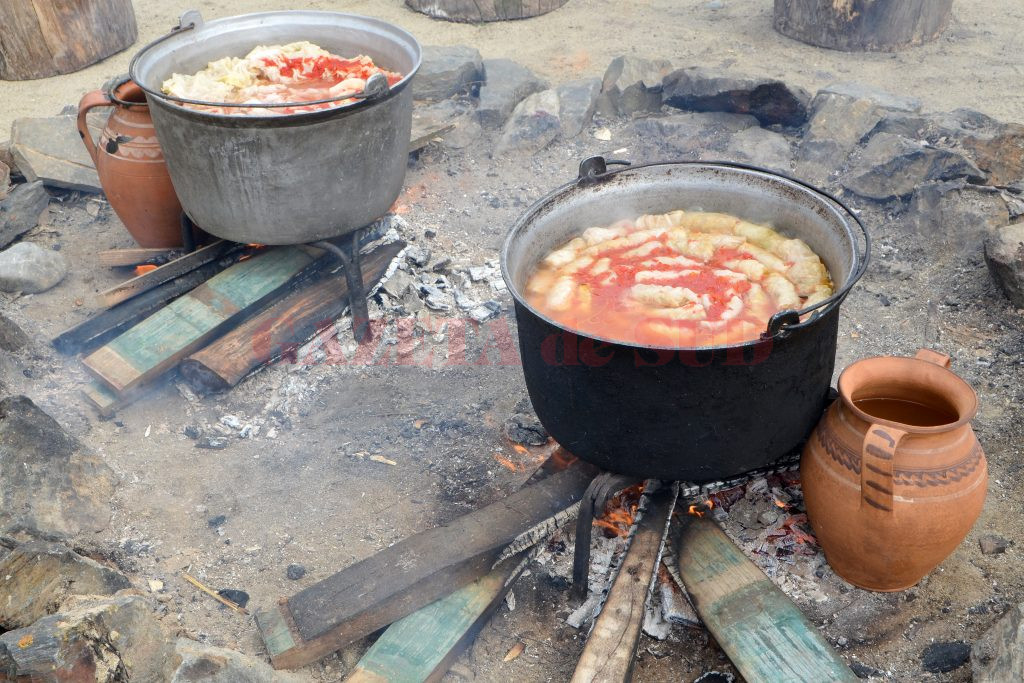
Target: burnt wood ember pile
column 387, row 477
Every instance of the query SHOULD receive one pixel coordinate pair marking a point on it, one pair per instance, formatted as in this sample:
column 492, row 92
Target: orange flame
column 142, row 270
column 620, row 512
column 780, row 504
column 703, row 508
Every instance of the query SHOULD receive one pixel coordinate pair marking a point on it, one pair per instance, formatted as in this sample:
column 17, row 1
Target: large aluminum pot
column 695, row 415
column 283, row 179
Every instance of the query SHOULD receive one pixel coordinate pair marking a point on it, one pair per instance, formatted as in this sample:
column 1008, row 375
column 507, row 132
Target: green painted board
column 186, row 324
column 764, row 634
column 422, row 646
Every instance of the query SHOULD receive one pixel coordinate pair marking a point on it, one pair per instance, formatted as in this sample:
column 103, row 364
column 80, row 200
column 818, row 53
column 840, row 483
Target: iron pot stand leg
column 356, row 290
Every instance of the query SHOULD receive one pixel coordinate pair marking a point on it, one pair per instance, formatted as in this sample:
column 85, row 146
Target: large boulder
column 51, row 483
column 20, row 210
column 690, row 135
column 36, row 578
column 534, row 124
column 194, row 662
column 577, row 101
column 998, row 656
column 508, row 83
column 960, row 213
column 448, row 71
column 759, row 147
column 108, row 641
column 29, row 268
column 1004, row 252
column 770, row 101
column 51, row 150
column 632, row 85
column 892, row 166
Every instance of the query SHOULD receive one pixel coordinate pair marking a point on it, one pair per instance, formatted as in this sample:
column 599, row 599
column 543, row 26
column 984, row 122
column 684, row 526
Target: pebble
column 231, row 421
column 29, row 268
column 295, row 572
column 992, row 544
column 715, row 5
column 417, row 255
column 864, row 671
column 214, row 522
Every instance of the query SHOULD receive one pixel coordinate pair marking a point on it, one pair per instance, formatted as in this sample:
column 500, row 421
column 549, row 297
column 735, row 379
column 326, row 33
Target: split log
column 764, row 634
column 41, row 38
column 279, row 329
column 184, row 326
column 101, row 328
column 474, row 11
column 411, row 574
column 176, row 268
column 119, row 258
column 611, row 648
column 423, row 645
column 862, row 25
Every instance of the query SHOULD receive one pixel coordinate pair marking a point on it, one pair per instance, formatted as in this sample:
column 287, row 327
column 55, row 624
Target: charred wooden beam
column 165, row 273
column 405, row 577
column 122, row 258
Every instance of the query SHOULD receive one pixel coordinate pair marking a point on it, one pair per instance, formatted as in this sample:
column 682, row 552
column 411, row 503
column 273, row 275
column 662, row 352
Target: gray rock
column 52, row 484
column 7, row 157
column 485, row 311
column 5, row 179
column 998, row 656
column 12, row 337
column 993, row 545
column 20, row 211
column 51, row 150
column 398, row 284
column 294, row 572
column 192, row 662
column 508, row 83
column 110, row 640
column 631, row 85
column 448, row 71
column 534, row 124
column 29, row 268
column 691, row 135
column 769, row 101
column 411, row 302
column 881, row 98
column 892, row 166
column 435, row 299
column 36, row 578
column 417, row 255
column 838, row 123
column 759, row 147
column 964, row 214
column 577, row 101
column 443, row 120
column 1004, row 253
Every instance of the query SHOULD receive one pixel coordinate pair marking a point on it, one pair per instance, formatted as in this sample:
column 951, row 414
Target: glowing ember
column 779, row 503
column 508, row 464
column 142, row 270
column 703, row 508
column 520, row 448
column 620, row 512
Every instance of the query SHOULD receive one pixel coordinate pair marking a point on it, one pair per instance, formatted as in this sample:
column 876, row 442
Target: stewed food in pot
column 683, row 279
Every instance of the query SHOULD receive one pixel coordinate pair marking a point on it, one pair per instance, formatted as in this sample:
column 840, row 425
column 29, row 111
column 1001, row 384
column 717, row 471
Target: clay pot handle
column 876, row 461
column 939, row 359
column 96, row 98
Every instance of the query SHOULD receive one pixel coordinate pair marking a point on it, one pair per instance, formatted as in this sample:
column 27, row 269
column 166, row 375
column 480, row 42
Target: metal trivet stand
column 350, row 262
column 604, row 487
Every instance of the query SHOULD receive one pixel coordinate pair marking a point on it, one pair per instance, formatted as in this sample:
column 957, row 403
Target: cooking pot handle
column 593, row 168
column 876, row 466
column 190, row 19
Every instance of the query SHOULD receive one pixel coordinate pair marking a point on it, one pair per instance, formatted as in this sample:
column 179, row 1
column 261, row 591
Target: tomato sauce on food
column 684, row 279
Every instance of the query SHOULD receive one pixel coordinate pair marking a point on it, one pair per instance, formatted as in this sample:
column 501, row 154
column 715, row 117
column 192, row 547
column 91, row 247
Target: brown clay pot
column 131, row 166
column 893, row 475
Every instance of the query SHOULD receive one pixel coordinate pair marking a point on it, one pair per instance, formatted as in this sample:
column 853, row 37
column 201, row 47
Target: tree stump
column 862, row 25
column 474, row 11
column 40, row 38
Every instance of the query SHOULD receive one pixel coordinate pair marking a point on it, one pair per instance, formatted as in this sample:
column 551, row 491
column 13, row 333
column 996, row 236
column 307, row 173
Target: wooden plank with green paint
column 157, row 343
column 421, row 647
column 764, row 634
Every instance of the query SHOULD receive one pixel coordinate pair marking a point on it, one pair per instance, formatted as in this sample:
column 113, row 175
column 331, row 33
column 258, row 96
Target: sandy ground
column 979, row 53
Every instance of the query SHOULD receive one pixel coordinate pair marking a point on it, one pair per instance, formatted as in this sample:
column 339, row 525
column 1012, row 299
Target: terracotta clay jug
column 893, row 475
column 131, row 166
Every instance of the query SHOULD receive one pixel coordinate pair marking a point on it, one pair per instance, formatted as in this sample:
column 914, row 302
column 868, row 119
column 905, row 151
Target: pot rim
column 966, row 415
column 193, row 21
column 859, row 262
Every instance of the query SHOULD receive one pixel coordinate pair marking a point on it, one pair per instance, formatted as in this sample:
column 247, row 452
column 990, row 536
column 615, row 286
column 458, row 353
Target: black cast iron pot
column 694, row 415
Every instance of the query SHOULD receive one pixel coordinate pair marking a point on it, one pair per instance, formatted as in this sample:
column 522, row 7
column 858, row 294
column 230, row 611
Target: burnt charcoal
column 715, row 677
column 940, row 658
column 864, row 671
column 295, row 572
column 992, row 544
column 526, row 430
column 192, row 431
column 212, row 442
column 240, row 598
column 214, row 522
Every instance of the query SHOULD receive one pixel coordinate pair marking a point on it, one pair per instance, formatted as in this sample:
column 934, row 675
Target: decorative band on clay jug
column 131, row 165
column 893, row 475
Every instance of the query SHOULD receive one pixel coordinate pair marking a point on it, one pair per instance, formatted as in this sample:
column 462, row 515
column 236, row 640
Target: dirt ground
column 978, row 55
column 305, row 490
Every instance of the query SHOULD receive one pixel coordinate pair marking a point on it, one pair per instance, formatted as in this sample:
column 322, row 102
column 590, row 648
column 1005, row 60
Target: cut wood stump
column 473, row 11
column 862, row 25
column 41, row 38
